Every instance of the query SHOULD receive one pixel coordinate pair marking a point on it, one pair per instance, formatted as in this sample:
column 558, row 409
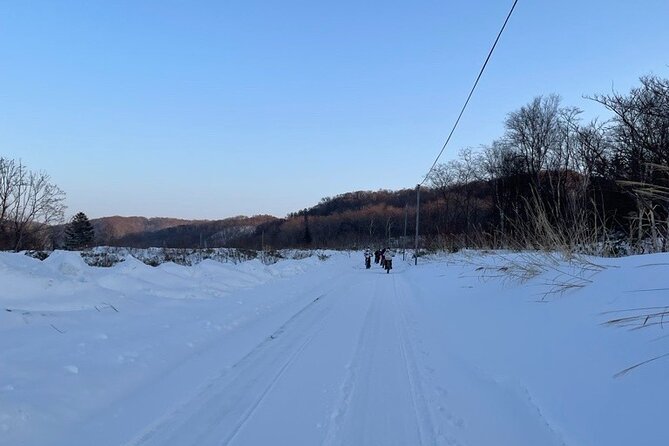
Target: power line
column 457, row 121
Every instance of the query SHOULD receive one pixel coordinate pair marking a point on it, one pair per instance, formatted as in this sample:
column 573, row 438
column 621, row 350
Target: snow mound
column 68, row 263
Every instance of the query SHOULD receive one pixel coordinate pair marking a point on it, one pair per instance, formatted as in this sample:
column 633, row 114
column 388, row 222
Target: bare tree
column 640, row 134
column 9, row 172
column 592, row 150
column 468, row 171
column 640, row 125
column 443, row 179
column 29, row 204
column 534, row 132
column 500, row 165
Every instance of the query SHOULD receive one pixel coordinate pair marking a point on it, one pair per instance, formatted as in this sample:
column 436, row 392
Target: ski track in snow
column 217, row 413
column 374, row 371
column 373, row 375
column 424, row 415
column 347, row 386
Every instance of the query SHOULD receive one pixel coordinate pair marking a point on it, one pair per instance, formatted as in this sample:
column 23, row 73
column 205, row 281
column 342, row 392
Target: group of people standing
column 384, row 257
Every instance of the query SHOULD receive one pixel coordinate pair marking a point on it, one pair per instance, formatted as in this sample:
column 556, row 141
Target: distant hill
column 141, row 232
column 358, row 200
column 110, row 229
column 352, row 219
column 347, row 219
column 452, row 216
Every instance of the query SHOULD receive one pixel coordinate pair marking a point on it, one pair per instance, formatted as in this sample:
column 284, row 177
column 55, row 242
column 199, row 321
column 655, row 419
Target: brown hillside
column 108, row 229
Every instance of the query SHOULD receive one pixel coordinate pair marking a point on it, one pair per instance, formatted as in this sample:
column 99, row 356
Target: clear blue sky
column 207, row 109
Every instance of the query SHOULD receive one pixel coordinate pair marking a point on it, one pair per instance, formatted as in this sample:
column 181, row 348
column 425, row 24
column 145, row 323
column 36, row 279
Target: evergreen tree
column 79, row 233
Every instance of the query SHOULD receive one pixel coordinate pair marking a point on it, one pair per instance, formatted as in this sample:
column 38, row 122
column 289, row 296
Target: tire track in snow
column 382, row 375
column 217, row 413
column 347, row 387
column 430, row 434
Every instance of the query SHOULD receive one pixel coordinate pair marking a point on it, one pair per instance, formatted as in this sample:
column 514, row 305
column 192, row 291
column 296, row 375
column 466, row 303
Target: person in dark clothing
column 377, row 256
column 388, row 260
column 368, row 258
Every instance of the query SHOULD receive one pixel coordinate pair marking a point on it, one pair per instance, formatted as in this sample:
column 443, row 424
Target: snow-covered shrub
column 102, row 259
column 107, row 256
column 40, row 255
column 270, row 257
column 300, row 255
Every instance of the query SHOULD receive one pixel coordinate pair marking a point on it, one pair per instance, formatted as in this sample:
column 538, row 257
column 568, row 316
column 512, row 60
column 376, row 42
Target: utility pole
column 404, row 240
column 417, row 221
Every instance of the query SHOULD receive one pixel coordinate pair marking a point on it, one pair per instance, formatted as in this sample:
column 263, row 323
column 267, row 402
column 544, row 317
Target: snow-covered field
column 307, row 352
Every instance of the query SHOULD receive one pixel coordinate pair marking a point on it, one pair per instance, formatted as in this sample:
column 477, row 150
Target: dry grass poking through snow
column 638, row 319
column 561, row 273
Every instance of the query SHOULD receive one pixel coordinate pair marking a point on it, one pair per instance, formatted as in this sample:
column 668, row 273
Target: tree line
column 551, row 181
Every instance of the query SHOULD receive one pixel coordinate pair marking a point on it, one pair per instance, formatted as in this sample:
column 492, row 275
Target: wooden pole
column 417, row 222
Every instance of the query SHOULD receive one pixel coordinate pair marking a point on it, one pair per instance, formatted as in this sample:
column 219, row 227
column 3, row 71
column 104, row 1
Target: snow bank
column 74, row 337
column 536, row 325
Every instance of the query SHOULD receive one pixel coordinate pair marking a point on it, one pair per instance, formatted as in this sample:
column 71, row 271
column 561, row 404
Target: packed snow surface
column 466, row 349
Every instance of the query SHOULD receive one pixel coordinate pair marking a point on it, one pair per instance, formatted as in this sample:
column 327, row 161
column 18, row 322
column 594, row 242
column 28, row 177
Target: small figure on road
column 377, row 256
column 368, row 258
column 388, row 259
column 382, row 259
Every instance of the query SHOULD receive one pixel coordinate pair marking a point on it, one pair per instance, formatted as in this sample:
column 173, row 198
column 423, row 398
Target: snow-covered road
column 321, row 377
column 344, row 369
column 299, row 353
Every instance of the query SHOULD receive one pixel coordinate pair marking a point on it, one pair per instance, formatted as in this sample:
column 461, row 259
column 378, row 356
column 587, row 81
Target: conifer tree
column 79, row 233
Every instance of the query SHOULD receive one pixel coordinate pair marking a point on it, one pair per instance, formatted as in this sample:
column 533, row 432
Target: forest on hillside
column 550, row 181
